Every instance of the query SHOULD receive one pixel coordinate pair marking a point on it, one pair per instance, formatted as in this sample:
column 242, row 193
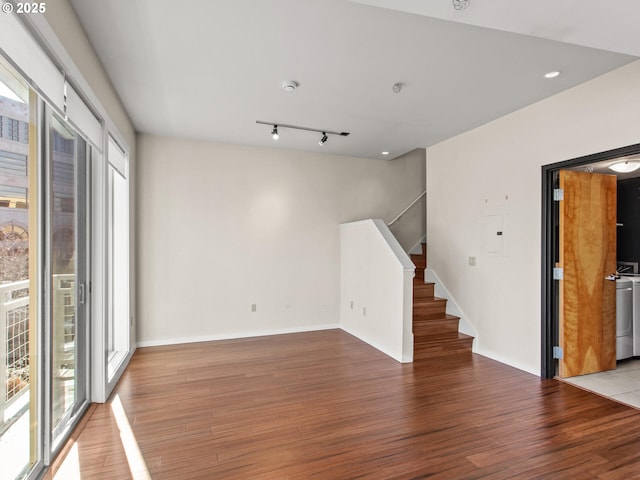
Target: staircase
column 435, row 333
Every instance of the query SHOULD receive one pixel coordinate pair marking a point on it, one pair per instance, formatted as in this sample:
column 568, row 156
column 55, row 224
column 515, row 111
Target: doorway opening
column 551, row 318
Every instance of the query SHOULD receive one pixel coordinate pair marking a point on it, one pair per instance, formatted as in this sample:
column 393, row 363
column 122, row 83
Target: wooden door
column 587, row 304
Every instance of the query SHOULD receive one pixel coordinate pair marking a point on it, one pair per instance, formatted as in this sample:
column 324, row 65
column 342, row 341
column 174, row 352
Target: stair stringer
column 417, row 248
column 440, row 290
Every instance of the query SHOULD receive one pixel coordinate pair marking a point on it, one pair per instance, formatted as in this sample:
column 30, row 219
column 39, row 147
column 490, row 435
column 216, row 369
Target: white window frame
column 118, row 292
column 47, row 40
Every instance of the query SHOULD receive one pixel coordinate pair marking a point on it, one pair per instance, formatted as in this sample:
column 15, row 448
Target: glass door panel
column 68, row 291
column 43, row 276
column 19, row 325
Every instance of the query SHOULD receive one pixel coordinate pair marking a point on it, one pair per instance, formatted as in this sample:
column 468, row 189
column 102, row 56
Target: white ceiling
column 607, row 25
column 208, row 70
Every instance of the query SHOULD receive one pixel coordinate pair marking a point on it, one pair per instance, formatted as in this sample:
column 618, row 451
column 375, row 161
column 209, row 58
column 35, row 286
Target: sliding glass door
column 20, row 402
column 55, row 176
column 44, row 246
column 68, row 278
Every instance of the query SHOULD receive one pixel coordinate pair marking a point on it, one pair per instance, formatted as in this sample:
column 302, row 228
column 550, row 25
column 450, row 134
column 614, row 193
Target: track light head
column 325, row 132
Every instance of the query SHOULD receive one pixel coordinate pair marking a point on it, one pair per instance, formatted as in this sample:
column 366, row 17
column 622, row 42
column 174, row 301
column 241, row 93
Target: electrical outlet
column 253, row 307
column 351, row 304
column 364, row 311
column 472, row 261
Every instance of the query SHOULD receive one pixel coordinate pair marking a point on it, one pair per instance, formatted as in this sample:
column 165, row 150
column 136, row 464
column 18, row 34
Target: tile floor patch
column 621, row 384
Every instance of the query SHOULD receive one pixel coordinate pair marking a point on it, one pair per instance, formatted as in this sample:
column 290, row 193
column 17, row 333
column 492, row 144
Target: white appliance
column 636, row 314
column 624, row 317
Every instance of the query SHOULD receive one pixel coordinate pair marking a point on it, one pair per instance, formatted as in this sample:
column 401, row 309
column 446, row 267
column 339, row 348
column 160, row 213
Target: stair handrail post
column 407, row 208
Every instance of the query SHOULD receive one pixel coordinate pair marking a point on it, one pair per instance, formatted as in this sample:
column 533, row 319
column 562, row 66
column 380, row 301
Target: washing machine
column 636, row 314
column 624, row 317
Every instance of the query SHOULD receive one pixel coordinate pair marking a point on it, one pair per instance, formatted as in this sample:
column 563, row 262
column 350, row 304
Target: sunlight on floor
column 137, row 465
column 70, row 468
column 14, row 444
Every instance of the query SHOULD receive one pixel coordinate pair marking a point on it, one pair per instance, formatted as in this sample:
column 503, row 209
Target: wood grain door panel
column 587, row 255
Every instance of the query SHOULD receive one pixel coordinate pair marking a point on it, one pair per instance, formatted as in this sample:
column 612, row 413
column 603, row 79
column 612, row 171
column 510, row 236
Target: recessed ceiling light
column 552, row 74
column 385, row 153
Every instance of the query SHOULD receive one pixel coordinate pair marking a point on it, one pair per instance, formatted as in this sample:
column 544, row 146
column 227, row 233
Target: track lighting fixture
column 325, row 133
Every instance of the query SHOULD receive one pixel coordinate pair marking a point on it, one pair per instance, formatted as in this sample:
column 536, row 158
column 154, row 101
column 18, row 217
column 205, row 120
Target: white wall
column 398, row 186
column 376, row 288
column 222, row 227
column 497, row 169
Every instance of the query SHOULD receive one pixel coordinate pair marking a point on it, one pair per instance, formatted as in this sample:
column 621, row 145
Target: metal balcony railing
column 14, row 343
column 14, row 338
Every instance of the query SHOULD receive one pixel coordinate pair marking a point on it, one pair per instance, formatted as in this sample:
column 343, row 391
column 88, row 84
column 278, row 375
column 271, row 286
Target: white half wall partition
column 376, row 288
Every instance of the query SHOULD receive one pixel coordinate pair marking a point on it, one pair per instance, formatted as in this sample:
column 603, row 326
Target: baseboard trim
column 453, row 307
column 375, row 345
column 231, row 336
column 509, row 362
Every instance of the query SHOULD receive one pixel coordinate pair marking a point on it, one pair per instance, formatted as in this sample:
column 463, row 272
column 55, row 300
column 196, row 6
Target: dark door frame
column 549, row 307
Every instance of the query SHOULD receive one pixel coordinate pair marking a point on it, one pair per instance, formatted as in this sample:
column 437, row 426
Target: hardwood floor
column 324, row 405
